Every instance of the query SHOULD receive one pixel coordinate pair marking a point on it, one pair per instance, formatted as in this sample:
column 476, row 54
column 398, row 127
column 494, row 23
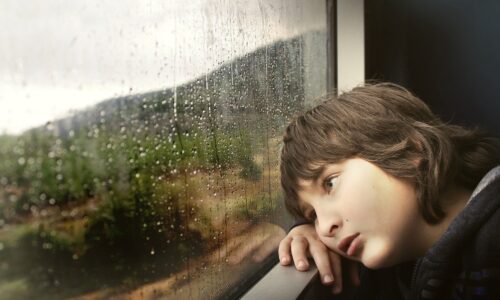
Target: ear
column 417, row 162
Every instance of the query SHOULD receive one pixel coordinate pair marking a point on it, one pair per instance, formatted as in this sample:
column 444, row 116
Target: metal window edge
column 282, row 283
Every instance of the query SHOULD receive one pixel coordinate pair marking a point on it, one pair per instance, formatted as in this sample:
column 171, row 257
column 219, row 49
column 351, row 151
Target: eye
column 331, row 183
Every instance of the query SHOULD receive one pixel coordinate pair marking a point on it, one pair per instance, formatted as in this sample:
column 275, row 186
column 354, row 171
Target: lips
column 346, row 244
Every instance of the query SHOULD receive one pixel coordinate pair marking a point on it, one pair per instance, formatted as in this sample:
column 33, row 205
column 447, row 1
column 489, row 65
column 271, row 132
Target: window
column 140, row 141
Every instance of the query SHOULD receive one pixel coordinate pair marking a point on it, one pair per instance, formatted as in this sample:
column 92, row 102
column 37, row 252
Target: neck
column 453, row 201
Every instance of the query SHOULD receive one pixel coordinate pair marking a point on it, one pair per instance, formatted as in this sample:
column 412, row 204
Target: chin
column 372, row 264
column 377, row 260
column 378, row 254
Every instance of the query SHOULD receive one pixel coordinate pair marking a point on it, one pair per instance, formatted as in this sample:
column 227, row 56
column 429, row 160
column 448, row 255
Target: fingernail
column 302, row 264
column 284, row 260
column 327, row 278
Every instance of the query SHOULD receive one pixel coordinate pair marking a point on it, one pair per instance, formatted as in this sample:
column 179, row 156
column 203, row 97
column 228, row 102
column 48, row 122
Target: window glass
column 139, row 141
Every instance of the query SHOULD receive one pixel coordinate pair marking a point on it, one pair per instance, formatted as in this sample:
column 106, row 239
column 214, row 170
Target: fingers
column 302, row 242
column 284, row 251
column 299, row 249
column 323, row 262
column 296, row 236
column 336, row 261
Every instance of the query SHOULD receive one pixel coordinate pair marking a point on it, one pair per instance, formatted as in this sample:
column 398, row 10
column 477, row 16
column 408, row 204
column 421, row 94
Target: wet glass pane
column 139, row 142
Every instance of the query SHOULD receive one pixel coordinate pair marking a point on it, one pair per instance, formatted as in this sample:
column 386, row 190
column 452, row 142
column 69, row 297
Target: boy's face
column 363, row 213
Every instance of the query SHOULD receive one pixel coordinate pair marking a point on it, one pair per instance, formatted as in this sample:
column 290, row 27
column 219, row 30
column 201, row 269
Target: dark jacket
column 463, row 264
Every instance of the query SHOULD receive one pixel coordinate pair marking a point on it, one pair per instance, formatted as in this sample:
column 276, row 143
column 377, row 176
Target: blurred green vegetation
column 255, row 208
column 105, row 197
column 42, row 170
column 140, row 227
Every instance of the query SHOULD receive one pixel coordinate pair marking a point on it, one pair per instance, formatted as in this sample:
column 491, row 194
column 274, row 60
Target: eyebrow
column 320, row 173
column 323, row 173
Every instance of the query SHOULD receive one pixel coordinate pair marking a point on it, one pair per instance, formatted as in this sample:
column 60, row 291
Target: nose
column 328, row 226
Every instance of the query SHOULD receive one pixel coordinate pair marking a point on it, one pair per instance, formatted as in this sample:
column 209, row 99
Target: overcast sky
column 57, row 56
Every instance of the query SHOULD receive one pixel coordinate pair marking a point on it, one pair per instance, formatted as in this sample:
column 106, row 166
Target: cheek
column 402, row 212
column 361, row 203
column 392, row 205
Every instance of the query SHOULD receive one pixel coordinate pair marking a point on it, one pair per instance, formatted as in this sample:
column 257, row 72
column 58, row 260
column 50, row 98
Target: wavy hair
column 390, row 127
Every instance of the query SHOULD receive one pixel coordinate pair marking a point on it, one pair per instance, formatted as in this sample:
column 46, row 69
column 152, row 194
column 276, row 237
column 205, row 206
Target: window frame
column 345, row 33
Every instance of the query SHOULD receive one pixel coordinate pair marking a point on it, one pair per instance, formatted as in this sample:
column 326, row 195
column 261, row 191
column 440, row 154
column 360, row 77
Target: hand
column 303, row 242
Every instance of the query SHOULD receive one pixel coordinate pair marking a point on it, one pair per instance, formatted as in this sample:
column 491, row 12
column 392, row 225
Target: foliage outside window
column 154, row 190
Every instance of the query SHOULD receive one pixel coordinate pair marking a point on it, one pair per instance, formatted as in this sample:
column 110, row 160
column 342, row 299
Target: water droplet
column 47, row 246
column 12, row 198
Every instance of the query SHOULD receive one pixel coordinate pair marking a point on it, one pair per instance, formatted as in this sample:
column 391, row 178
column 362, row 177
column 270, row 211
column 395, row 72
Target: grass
column 14, row 289
column 154, row 207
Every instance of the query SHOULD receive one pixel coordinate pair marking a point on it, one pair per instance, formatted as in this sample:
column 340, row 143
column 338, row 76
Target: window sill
column 282, row 283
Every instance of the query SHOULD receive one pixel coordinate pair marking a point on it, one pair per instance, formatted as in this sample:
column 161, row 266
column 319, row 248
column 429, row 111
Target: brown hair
column 388, row 126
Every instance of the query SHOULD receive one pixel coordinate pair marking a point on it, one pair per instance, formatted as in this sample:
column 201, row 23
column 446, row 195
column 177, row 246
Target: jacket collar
column 443, row 259
column 492, row 175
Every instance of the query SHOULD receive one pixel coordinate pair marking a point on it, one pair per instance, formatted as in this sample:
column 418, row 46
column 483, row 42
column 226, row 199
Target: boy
column 381, row 181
